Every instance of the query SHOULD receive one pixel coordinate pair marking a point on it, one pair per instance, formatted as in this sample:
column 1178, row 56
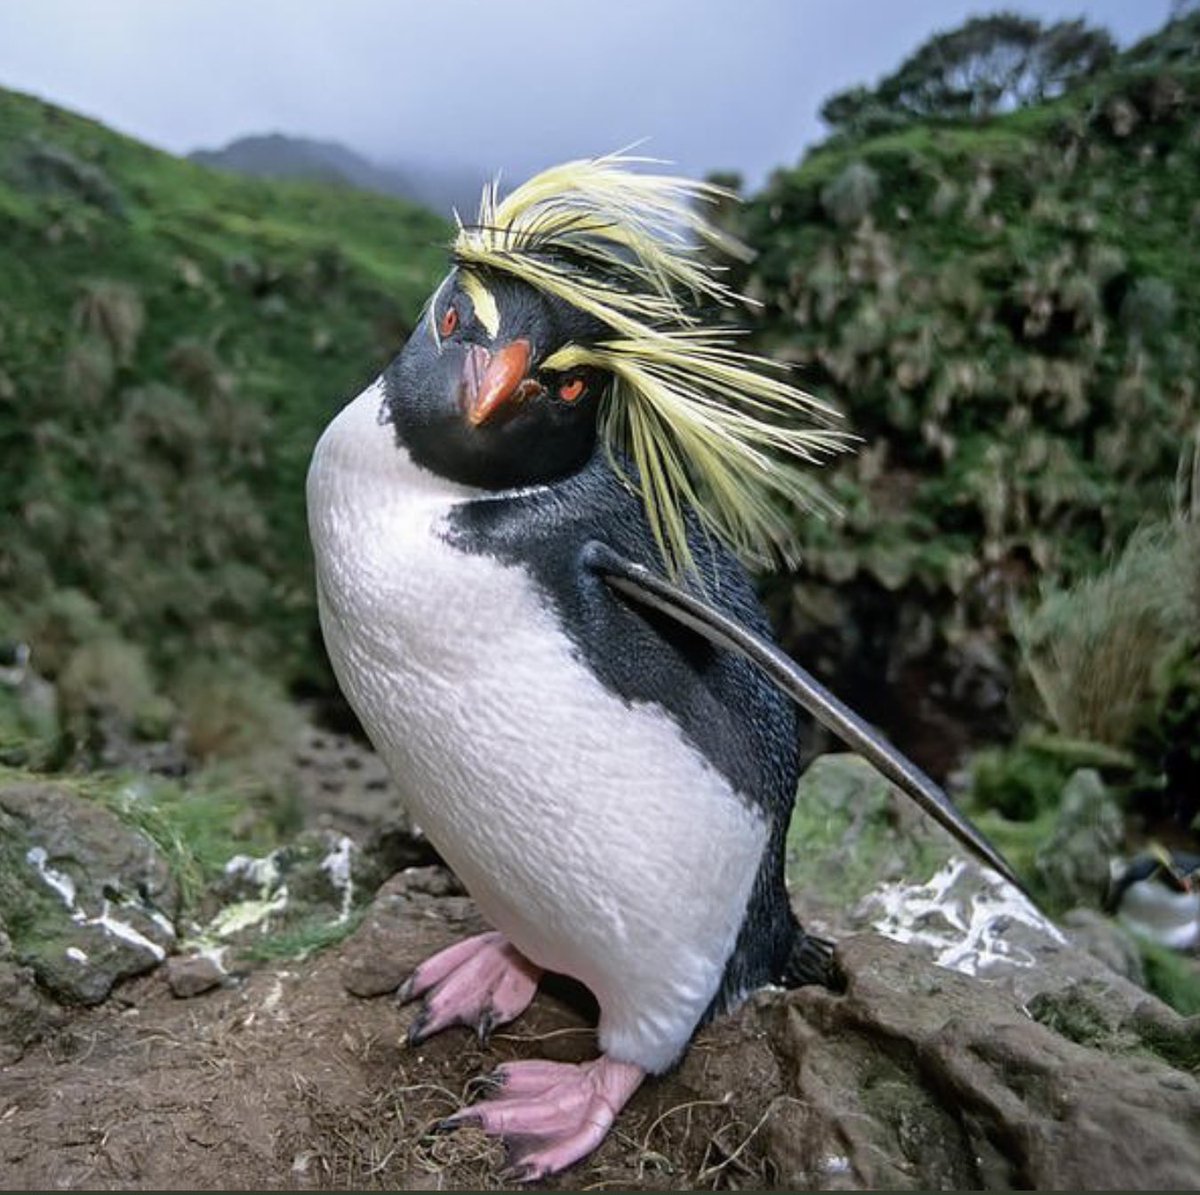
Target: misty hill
column 276, row 155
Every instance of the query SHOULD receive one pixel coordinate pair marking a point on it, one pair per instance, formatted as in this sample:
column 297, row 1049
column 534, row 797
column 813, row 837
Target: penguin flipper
column 636, row 582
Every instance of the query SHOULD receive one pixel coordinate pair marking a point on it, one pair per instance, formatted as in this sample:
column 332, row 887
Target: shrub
column 1148, row 308
column 64, row 622
column 848, row 199
column 87, row 372
column 230, row 711
column 1096, row 652
column 112, row 312
column 107, row 677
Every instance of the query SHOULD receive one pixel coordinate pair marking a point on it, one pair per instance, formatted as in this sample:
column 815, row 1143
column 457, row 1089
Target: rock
column 318, row 875
column 1106, row 941
column 26, row 1015
column 918, row 1078
column 1073, row 864
column 394, row 847
column 377, row 959
column 965, row 919
column 88, row 900
column 852, row 830
column 193, row 975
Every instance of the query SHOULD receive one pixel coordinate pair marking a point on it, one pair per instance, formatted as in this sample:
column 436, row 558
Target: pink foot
column 551, row 1114
column 482, row 982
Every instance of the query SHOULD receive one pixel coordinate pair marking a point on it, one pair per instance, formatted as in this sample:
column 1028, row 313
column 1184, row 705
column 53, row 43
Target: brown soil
column 288, row 1081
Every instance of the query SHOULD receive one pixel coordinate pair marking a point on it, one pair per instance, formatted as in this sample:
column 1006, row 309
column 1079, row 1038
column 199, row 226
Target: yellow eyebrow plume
column 484, row 302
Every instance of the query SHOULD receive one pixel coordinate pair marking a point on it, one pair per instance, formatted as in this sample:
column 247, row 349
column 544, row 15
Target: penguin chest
column 587, row 828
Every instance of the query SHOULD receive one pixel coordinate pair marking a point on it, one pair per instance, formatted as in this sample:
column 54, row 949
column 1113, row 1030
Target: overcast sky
column 510, row 84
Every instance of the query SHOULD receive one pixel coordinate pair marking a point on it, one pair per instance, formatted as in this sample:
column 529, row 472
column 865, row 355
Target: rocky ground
column 974, row 1044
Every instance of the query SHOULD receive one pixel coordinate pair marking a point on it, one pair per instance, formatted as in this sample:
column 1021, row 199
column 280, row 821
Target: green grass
column 299, row 941
column 1174, row 980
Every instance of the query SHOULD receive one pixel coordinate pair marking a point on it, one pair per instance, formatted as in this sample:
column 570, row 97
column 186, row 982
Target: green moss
column 32, row 913
column 1076, row 1018
column 1173, row 978
column 849, row 830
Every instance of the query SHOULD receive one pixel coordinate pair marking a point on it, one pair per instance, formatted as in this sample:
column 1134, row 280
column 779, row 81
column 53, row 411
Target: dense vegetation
column 172, row 340
column 1006, row 309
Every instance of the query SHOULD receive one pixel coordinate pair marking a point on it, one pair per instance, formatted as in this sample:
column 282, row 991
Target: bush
column 849, row 198
column 230, row 711
column 60, row 625
column 87, row 372
column 112, row 312
column 108, row 681
column 1148, row 309
column 1097, row 652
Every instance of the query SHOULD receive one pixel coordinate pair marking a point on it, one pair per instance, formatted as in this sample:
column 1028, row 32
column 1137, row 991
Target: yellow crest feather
column 703, row 425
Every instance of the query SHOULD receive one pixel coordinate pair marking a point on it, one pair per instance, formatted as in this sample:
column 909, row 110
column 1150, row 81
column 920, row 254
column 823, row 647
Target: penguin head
column 1174, row 872
column 583, row 307
column 475, row 395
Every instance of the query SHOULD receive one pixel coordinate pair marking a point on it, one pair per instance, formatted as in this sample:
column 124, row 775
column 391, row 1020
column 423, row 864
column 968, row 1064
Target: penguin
column 1157, row 895
column 528, row 536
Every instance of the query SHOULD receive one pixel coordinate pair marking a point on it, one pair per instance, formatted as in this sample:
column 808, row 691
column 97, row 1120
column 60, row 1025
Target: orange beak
column 491, row 379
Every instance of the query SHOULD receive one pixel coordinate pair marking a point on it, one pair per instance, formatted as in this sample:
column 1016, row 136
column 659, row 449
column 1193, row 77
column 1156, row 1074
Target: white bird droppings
column 965, row 923
column 337, row 866
column 62, row 883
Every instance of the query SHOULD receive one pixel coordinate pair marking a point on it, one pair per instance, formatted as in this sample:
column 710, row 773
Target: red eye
column 572, row 391
column 449, row 321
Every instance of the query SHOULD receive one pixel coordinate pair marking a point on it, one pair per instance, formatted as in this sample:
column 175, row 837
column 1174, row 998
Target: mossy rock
column 87, row 900
column 852, row 830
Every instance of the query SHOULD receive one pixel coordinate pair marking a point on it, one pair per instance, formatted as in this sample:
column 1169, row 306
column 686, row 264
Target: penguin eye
column 572, row 390
column 449, row 321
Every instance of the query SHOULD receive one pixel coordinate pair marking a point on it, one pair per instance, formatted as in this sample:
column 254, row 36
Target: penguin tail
column 810, row 960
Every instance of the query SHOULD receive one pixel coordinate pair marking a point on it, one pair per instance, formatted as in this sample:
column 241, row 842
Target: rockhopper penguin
column 525, row 536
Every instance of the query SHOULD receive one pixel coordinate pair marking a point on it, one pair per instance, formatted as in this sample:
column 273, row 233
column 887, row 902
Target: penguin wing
column 641, row 585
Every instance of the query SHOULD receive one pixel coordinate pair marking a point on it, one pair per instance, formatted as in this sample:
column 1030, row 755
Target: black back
column 742, row 725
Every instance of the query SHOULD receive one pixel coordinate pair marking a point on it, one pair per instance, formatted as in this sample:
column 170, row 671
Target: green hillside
column 172, row 340
column 1008, row 312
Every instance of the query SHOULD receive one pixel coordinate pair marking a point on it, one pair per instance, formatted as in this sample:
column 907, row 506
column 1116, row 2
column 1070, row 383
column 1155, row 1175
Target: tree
column 990, row 64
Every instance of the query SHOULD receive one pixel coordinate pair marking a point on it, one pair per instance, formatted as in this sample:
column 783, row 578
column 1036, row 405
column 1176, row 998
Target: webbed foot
column 550, row 1114
column 481, row 982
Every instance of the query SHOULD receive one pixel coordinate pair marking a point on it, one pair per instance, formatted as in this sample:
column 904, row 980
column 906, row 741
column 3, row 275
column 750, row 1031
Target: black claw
column 812, row 961
column 485, row 1025
column 416, row 1031
column 450, row 1123
column 404, row 993
column 515, row 1169
column 516, row 1149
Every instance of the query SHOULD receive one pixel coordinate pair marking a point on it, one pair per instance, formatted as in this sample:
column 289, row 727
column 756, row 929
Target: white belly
column 588, row 830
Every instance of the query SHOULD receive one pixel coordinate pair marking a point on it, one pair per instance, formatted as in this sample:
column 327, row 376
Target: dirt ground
column 288, row 1081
